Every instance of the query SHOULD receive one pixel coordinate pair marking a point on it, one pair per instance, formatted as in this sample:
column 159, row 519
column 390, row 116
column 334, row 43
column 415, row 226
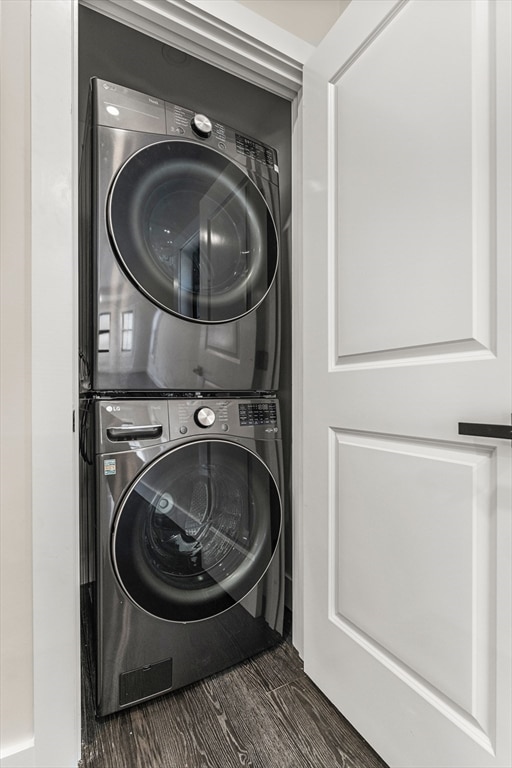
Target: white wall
column 16, row 689
column 308, row 19
column 39, row 642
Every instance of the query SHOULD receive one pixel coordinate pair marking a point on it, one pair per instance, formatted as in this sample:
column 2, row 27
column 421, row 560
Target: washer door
column 193, row 232
column 197, row 530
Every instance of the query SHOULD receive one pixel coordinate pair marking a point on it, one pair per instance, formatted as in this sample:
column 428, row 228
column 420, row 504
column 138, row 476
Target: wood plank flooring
column 263, row 713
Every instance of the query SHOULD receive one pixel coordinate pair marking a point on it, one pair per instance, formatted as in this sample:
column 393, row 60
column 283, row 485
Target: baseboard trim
column 20, row 756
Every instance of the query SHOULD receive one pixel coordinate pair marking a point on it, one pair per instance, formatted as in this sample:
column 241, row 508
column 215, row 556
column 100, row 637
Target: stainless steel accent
column 205, row 417
column 131, row 432
column 202, row 126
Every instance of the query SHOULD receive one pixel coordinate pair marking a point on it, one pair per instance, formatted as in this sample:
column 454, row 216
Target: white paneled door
column 407, row 317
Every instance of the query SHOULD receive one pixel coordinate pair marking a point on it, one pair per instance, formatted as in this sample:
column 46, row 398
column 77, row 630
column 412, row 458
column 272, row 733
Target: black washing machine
column 189, row 540
column 179, row 250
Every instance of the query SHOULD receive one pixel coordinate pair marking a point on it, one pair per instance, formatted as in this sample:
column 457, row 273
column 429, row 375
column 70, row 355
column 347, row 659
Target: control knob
column 202, row 126
column 204, row 417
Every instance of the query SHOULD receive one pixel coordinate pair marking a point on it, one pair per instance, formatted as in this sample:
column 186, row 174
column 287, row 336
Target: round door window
column 197, row 530
column 193, row 232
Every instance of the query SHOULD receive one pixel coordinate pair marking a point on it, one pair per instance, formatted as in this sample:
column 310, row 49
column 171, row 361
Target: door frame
column 225, row 35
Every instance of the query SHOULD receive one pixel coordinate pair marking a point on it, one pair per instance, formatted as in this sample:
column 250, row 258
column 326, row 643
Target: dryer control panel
column 124, row 108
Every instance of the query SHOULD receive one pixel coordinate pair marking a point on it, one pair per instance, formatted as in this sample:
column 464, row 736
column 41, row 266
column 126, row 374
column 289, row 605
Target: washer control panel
column 247, row 417
column 124, row 424
column 255, row 414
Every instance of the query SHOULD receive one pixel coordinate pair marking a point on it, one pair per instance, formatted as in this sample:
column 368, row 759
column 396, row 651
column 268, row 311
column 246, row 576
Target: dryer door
column 193, row 232
column 197, row 530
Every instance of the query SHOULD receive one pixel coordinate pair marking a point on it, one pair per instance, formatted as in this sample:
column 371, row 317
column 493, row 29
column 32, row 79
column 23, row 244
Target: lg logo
column 111, row 408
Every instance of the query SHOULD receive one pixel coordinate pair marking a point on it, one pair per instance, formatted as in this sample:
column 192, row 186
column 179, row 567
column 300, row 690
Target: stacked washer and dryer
column 182, row 471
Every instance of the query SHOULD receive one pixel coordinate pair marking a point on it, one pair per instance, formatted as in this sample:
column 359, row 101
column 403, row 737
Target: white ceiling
column 307, row 19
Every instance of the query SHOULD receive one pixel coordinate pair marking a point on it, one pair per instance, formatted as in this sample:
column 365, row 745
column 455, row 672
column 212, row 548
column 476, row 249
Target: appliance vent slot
column 146, row 681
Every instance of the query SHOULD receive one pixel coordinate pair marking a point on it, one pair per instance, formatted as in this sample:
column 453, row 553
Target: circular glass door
column 193, row 232
column 197, row 530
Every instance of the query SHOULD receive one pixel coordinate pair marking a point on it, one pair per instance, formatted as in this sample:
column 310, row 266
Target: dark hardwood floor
column 263, row 713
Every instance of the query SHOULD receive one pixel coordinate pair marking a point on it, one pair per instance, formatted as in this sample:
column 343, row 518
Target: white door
column 407, row 317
